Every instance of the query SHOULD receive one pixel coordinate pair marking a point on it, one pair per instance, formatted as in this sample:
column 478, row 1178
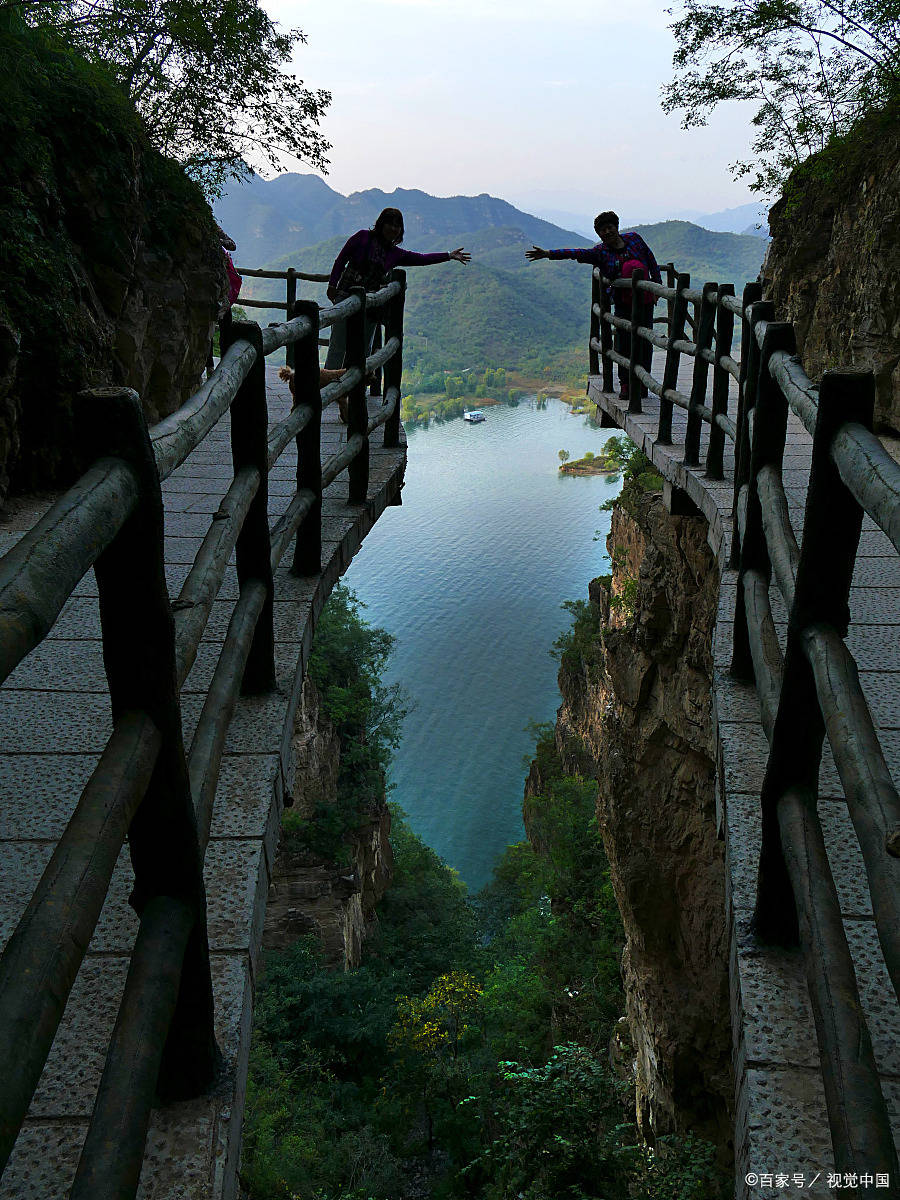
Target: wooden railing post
column 677, row 322
column 594, row 334
column 375, row 385
column 139, row 655
column 721, row 381
column 831, row 527
column 637, row 304
column 357, row 414
column 703, row 338
column 291, row 310
column 749, row 350
column 393, row 368
column 308, row 546
column 606, row 336
column 249, row 448
column 767, row 449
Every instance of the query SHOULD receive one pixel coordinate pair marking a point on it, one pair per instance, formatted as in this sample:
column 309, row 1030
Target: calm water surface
column 469, row 575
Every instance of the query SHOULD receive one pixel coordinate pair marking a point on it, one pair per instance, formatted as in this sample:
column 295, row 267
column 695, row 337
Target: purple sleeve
column 582, row 256
column 409, row 258
column 358, row 240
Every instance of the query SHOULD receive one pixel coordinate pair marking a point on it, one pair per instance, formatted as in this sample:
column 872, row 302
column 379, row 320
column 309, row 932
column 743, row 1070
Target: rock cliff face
column 638, row 711
column 833, row 267
column 308, row 894
column 112, row 272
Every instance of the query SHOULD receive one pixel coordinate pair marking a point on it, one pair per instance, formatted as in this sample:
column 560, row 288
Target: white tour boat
column 475, row 415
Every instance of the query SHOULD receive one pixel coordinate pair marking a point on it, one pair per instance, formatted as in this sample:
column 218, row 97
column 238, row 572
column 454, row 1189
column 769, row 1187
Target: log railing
column 145, row 786
column 812, row 689
column 290, row 305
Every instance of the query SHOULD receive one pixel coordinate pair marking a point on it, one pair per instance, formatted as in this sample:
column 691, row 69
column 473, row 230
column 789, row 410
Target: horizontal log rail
column 811, row 689
column 145, row 787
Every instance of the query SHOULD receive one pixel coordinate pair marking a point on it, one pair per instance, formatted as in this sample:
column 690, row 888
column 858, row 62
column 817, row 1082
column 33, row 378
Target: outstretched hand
column 535, row 253
column 460, row 255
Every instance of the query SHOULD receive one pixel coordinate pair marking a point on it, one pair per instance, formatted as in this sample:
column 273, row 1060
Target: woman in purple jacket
column 612, row 254
column 366, row 260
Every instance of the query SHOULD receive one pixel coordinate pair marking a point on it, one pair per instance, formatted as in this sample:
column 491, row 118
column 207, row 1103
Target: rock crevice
column 636, row 712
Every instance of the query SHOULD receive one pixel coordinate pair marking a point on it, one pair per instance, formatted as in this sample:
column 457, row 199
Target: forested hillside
column 500, row 310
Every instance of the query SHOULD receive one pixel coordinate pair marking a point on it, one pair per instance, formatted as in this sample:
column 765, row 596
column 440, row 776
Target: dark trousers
column 622, row 343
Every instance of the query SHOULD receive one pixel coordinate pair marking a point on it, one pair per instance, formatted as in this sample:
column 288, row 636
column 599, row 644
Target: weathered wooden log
column 706, row 321
column 766, row 448
column 256, row 273
column 280, row 305
column 208, row 745
column 390, row 408
column 860, row 1126
column 724, row 330
column 727, row 363
column 393, row 371
column 289, row 522
column 195, row 600
column 39, row 573
column 283, row 431
column 175, row 436
column 384, row 295
column 784, row 553
column 594, row 327
column 249, row 448
column 831, row 527
column 339, row 462
column 139, row 655
column 343, row 310
column 870, row 475
column 648, row 381
column 872, row 799
column 655, row 339
column 677, row 318
column 751, row 296
column 41, row 959
column 606, row 339
column 802, row 395
column 307, row 558
column 113, row 1152
column 376, row 360
column 291, row 301
column 765, row 651
column 276, row 336
column 357, row 415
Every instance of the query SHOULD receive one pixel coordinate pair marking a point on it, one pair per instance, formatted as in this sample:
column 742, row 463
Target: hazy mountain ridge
column 500, row 310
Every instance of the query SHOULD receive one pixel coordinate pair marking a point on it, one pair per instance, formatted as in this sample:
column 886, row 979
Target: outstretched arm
column 535, row 253
column 460, row 255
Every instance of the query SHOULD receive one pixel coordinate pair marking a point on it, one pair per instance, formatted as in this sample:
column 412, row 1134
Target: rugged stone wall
column 833, row 267
column 308, row 894
column 112, row 271
column 638, row 711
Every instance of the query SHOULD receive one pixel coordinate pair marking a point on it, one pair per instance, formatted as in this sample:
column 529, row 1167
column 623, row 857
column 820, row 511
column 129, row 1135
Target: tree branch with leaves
column 813, row 67
column 211, row 78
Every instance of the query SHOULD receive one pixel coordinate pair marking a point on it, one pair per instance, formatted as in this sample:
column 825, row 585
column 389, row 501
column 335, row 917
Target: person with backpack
column 617, row 255
column 366, row 260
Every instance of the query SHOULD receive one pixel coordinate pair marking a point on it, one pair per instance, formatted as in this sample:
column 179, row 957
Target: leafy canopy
column 813, row 68
column 209, row 78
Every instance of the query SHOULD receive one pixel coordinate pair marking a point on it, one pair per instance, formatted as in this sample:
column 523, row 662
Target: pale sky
column 551, row 104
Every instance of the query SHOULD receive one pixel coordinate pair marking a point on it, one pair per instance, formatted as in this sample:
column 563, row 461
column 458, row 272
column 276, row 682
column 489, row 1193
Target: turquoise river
column 469, row 575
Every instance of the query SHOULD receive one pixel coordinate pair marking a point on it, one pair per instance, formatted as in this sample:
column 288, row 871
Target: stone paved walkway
column 54, row 721
column 781, row 1122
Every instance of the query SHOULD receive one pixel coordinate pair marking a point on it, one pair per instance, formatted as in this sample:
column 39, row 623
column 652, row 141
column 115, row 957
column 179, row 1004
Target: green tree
column 813, row 67
column 564, row 456
column 209, row 78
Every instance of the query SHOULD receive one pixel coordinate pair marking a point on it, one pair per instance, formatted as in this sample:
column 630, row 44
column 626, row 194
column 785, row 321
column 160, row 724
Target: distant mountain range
column 500, row 310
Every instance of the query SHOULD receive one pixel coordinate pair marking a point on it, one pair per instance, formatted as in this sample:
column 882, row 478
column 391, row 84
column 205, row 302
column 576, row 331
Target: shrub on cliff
column 103, row 237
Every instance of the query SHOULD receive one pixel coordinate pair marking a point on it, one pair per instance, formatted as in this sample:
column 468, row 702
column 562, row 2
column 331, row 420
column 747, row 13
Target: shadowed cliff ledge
column 833, row 267
column 638, row 707
column 112, row 271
